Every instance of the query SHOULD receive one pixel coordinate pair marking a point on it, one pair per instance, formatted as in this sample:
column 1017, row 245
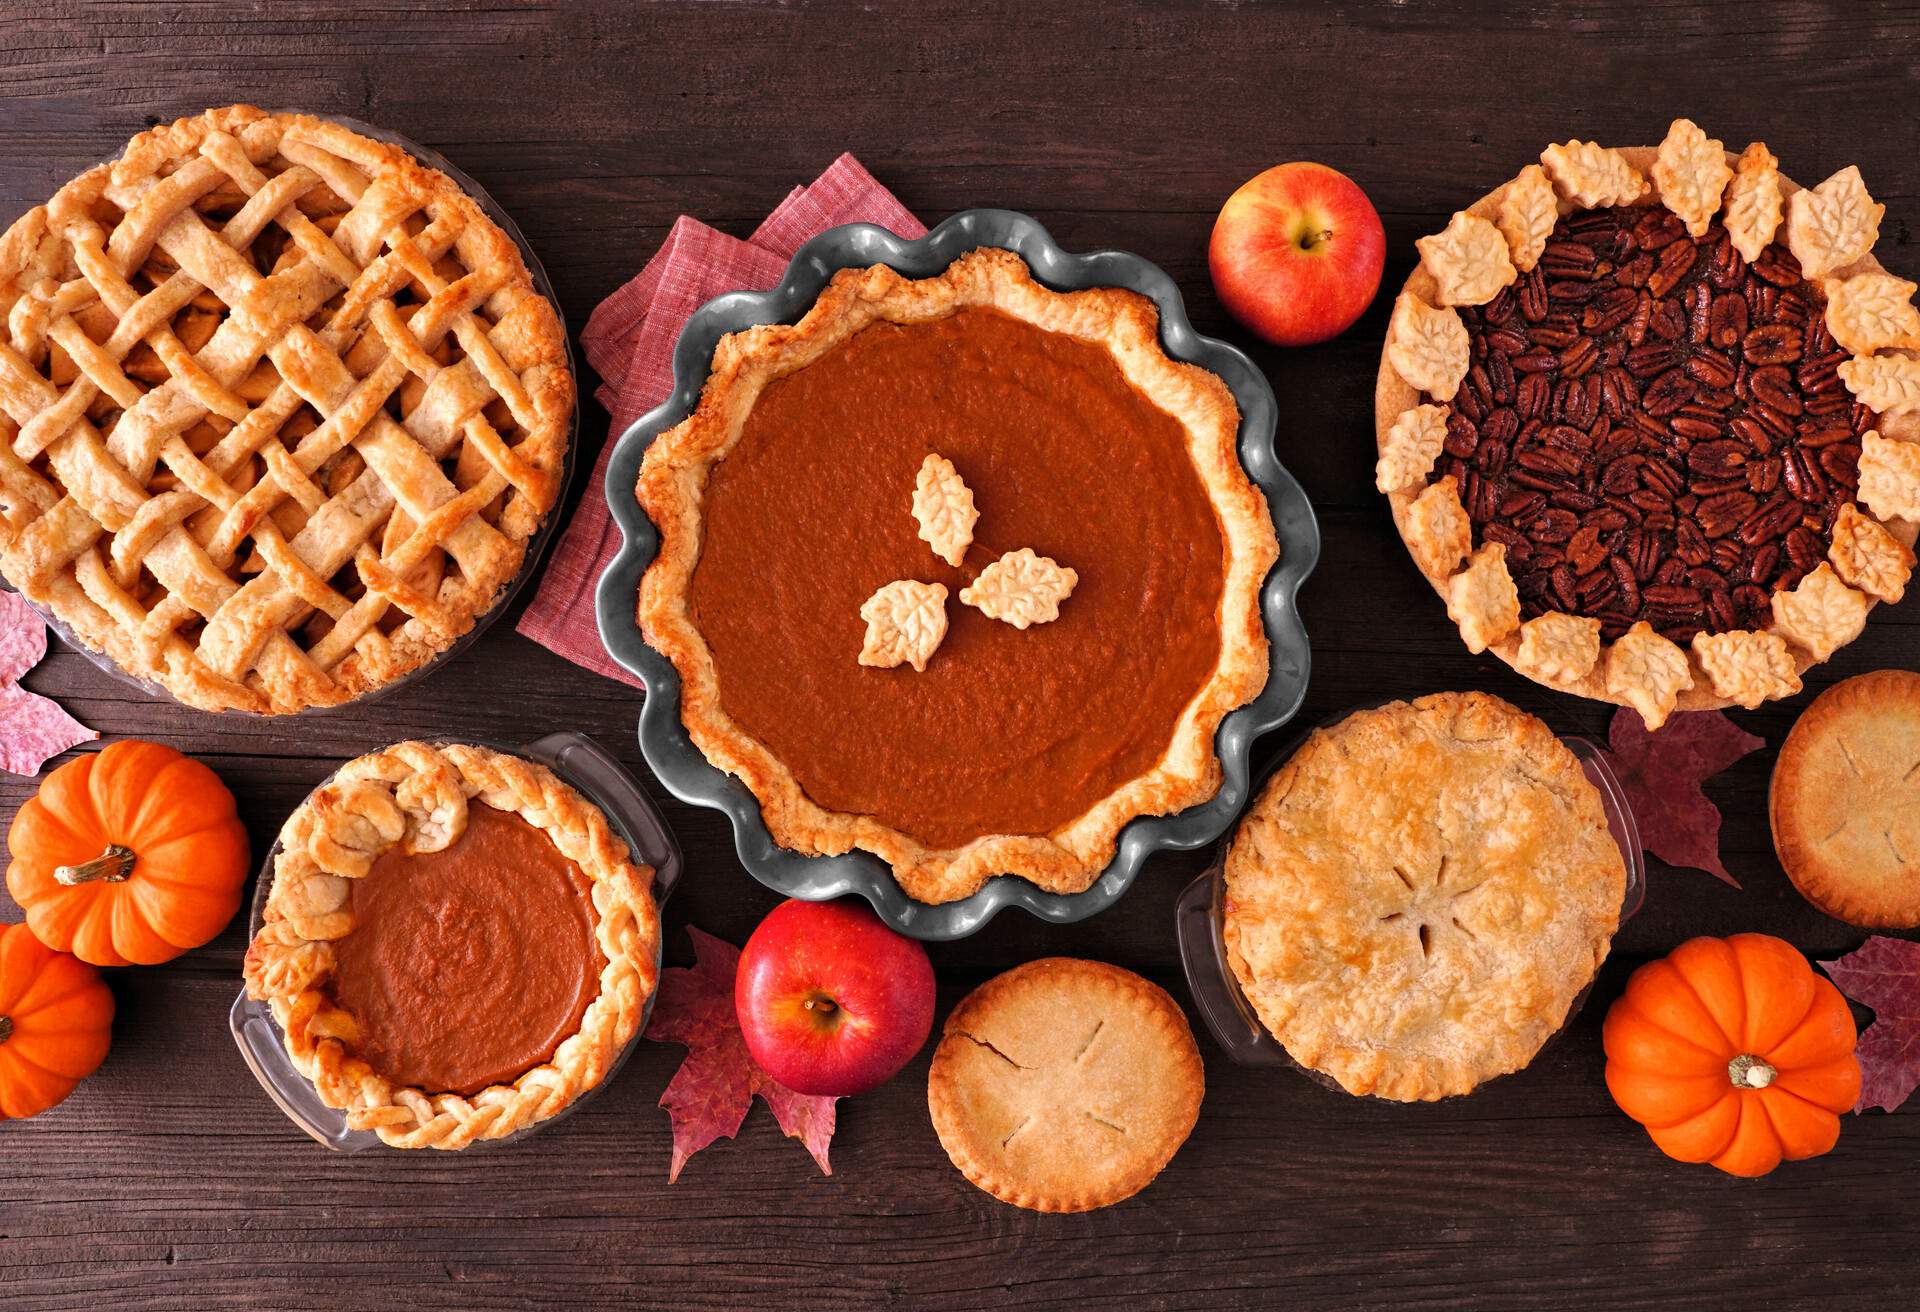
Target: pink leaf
column 710, row 1095
column 33, row 729
column 1662, row 773
column 1884, row 973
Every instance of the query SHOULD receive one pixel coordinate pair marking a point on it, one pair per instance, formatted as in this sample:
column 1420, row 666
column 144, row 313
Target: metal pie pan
column 686, row 772
column 586, row 766
column 536, row 544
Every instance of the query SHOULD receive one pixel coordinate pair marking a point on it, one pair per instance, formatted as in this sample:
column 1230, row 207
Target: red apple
column 830, row 1000
column 1296, row 253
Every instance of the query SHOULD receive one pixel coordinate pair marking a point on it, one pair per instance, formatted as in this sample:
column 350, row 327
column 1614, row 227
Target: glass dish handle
column 1215, row 996
column 259, row 1043
column 574, row 754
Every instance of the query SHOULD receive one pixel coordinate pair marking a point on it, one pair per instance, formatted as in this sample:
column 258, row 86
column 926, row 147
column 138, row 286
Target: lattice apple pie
column 279, row 410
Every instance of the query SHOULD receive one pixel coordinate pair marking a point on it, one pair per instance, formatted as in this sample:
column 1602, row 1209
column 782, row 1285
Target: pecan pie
column 1419, row 895
column 456, row 945
column 1645, row 417
column 282, row 409
column 960, row 571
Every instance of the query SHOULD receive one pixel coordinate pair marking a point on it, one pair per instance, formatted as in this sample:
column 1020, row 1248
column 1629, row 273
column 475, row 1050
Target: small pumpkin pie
column 456, row 945
column 1845, row 801
column 1065, row 1085
column 1420, row 894
column 960, row 571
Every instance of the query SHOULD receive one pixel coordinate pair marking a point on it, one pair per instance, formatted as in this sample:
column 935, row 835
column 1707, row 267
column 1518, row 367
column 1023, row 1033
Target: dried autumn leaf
column 1662, row 772
column 1691, row 172
column 1753, row 201
column 1528, row 211
column 33, row 729
column 710, row 1095
column 943, row 505
column 1468, row 260
column 1832, row 225
column 906, row 622
column 1872, row 311
column 1021, row 589
column 1884, row 973
column 1885, row 384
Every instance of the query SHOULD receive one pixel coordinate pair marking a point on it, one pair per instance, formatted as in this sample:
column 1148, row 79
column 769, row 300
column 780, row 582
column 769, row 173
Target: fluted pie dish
column 962, row 568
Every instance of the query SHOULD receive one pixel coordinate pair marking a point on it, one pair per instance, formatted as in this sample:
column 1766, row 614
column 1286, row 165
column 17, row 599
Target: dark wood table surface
column 170, row 1181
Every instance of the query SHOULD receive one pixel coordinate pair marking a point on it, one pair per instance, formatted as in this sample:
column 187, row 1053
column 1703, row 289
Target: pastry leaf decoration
column 1662, row 773
column 1871, row 311
column 943, row 505
column 1832, row 225
column 1021, row 589
column 1886, row 384
column 1469, row 260
column 1428, row 347
column 710, row 1095
column 1884, row 973
column 33, row 729
column 1691, row 170
column 906, row 622
column 1528, row 211
column 1753, row 201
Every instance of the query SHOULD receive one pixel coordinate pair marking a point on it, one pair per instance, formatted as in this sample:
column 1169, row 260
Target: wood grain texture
column 170, row 1181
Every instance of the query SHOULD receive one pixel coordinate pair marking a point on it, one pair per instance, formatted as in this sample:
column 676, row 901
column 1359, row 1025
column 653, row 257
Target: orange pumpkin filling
column 1007, row 730
column 467, row 967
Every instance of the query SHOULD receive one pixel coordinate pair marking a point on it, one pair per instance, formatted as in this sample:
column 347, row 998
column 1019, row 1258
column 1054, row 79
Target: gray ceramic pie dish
column 685, row 771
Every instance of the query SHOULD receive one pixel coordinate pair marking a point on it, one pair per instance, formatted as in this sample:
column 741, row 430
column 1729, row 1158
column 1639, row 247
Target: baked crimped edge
column 1800, row 812
column 1558, row 981
column 672, row 485
column 1179, row 1098
column 417, row 793
column 527, row 333
column 1393, row 395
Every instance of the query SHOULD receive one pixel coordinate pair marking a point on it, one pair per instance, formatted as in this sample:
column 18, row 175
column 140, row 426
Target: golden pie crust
column 281, row 410
column 1393, row 396
column 1420, row 894
column 1065, row 1085
column 673, row 481
column 1845, row 801
column 414, row 796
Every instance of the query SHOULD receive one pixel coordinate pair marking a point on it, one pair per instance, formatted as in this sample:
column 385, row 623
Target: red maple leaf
column 1662, row 773
column 710, row 1095
column 1884, row 973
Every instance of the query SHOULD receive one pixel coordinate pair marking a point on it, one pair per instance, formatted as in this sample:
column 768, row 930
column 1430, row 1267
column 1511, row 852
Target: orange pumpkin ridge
column 55, row 1022
column 128, row 856
column 1733, row 1052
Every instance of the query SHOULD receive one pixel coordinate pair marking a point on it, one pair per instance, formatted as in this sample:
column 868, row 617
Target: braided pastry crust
column 415, row 795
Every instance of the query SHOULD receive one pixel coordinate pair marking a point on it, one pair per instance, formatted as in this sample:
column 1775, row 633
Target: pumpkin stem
column 6, row 1028
column 115, row 865
column 1750, row 1072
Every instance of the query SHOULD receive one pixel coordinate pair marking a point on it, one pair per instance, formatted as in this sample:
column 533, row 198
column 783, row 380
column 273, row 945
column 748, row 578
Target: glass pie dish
column 580, row 762
column 686, row 771
column 536, row 544
column 1200, row 922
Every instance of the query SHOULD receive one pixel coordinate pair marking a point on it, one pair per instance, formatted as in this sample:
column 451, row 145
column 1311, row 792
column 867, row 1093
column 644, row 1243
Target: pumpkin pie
column 1845, row 801
column 1420, row 894
column 456, row 945
column 960, row 571
column 1679, row 393
column 283, row 410
column 1065, row 1085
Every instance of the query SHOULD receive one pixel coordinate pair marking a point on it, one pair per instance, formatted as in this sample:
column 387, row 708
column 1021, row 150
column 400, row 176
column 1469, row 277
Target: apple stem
column 1311, row 239
column 825, row 1005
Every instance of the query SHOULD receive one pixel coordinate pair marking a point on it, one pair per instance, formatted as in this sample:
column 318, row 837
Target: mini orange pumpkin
column 128, row 856
column 1733, row 1051
column 55, row 1017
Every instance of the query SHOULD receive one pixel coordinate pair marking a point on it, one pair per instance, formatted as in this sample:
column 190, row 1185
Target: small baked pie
column 283, row 409
column 960, row 571
column 1420, row 894
column 456, row 944
column 1681, row 394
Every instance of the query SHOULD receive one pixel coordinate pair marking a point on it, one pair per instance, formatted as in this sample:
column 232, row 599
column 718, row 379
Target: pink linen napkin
column 629, row 341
